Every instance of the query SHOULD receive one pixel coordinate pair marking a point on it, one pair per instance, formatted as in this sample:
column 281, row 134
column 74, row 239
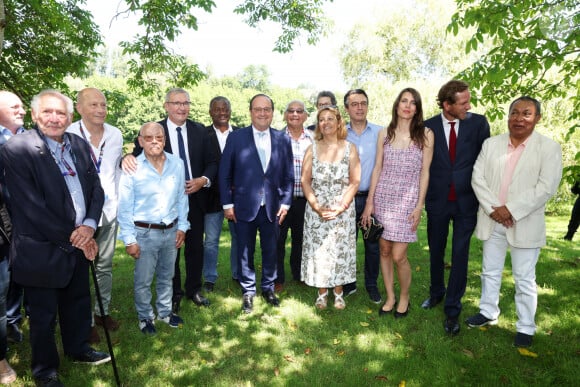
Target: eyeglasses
column 180, row 104
column 358, row 104
column 262, row 110
column 292, row 111
column 150, row 138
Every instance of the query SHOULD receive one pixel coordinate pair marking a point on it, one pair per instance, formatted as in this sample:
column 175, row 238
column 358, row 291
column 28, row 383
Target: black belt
column 156, row 226
column 362, row 193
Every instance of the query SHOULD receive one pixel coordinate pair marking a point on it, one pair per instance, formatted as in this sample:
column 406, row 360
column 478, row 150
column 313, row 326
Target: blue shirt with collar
column 60, row 151
column 366, row 145
column 150, row 197
column 5, row 134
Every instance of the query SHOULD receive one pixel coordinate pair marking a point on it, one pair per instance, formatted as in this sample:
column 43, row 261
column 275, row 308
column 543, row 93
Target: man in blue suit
column 256, row 178
column 459, row 136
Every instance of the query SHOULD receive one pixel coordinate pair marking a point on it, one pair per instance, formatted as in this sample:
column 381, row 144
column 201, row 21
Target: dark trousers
column 574, row 219
column 193, row 254
column 437, row 232
column 294, row 221
column 73, row 305
column 247, row 232
column 372, row 255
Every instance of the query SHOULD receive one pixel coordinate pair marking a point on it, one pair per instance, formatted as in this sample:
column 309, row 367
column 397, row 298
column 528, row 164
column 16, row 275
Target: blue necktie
column 261, row 150
column 182, row 156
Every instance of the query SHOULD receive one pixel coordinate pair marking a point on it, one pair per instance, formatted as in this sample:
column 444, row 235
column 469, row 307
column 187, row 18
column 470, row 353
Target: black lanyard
column 96, row 162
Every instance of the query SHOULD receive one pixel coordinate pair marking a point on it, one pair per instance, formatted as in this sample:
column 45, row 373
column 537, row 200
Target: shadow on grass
column 298, row 345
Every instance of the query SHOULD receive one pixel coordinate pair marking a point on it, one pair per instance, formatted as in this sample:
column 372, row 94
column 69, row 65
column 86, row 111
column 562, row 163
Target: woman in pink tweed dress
column 397, row 192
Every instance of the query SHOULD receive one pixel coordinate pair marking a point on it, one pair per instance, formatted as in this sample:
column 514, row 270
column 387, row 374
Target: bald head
column 11, row 111
column 92, row 106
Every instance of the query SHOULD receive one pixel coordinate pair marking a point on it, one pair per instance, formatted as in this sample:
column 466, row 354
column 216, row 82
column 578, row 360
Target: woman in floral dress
column 397, row 192
column 330, row 179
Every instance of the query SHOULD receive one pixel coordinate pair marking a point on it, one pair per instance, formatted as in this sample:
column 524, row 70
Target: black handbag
column 373, row 232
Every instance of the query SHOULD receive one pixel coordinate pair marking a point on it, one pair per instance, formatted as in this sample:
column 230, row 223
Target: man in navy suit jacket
column 256, row 178
column 56, row 201
column 201, row 171
column 450, row 197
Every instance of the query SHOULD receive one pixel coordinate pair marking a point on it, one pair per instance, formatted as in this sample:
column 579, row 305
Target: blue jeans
column 213, row 227
column 157, row 258
column 4, row 282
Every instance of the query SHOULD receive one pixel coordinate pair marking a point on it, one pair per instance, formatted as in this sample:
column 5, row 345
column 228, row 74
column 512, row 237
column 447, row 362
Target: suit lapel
column 167, row 147
column 54, row 175
column 440, row 141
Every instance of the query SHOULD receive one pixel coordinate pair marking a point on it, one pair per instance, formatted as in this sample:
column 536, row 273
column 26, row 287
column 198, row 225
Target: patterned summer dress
column 397, row 191
column 329, row 247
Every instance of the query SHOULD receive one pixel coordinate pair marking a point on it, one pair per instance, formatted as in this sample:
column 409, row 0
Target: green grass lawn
column 297, row 345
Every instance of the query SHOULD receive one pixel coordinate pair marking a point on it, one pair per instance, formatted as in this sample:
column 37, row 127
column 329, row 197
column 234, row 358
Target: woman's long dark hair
column 417, row 130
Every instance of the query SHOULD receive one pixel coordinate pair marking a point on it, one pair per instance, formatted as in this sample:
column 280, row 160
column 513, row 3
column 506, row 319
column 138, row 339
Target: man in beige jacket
column 514, row 176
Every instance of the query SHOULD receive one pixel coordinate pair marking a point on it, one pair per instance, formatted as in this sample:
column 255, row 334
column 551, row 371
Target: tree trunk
column 2, row 24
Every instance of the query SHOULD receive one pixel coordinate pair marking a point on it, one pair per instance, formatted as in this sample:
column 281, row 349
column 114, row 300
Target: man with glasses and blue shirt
column 364, row 135
column 191, row 142
column 153, row 218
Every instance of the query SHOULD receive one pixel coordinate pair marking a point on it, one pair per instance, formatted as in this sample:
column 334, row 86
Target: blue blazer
column 473, row 131
column 242, row 181
column 43, row 215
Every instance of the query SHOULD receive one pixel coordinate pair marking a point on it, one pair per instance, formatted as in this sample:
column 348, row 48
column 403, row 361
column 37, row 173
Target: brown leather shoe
column 112, row 325
column 94, row 337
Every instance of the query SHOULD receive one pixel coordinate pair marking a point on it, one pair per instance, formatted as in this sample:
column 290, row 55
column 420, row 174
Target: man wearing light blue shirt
column 364, row 135
column 152, row 215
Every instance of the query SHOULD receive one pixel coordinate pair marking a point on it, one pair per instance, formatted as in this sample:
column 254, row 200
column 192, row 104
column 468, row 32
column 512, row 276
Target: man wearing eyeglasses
column 256, row 177
column 191, row 142
column 295, row 116
column 106, row 148
column 324, row 98
column 56, row 201
column 153, row 233
column 364, row 135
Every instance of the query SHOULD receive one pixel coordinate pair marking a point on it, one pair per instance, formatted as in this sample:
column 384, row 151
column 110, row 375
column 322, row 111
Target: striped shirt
column 299, row 147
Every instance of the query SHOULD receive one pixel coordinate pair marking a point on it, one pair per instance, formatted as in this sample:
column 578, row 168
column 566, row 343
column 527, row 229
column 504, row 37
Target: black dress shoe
column 431, row 302
column 402, row 314
column 199, row 300
column 271, row 298
column 92, row 357
column 451, row 325
column 247, row 303
column 383, row 312
column 49, row 381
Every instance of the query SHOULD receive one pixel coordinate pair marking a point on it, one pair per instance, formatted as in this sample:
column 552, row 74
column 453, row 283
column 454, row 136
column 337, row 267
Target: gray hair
column 296, row 101
column 175, row 90
column 35, row 104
